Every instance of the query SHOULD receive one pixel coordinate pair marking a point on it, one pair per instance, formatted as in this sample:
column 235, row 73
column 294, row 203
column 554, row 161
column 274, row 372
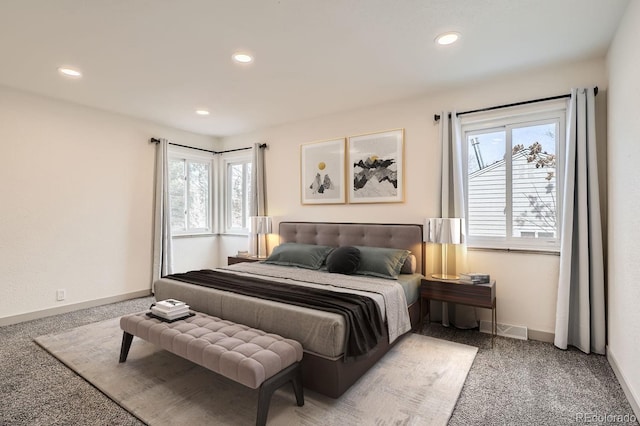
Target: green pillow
column 307, row 256
column 381, row 262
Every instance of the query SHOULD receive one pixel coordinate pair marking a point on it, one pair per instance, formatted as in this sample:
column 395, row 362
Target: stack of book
column 170, row 309
column 475, row 278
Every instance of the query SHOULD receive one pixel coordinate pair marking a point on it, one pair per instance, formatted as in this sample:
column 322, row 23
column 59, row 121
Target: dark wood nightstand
column 239, row 259
column 476, row 295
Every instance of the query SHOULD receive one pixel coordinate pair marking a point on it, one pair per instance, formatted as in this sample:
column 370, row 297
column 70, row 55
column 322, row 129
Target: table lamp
column 260, row 226
column 444, row 231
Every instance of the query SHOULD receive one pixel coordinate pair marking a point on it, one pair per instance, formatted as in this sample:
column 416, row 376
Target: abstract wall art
column 322, row 172
column 376, row 167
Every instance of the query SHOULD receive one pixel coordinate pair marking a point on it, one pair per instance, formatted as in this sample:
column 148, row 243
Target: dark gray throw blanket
column 364, row 327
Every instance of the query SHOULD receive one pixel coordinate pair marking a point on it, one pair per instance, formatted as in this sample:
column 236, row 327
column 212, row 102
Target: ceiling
column 162, row 59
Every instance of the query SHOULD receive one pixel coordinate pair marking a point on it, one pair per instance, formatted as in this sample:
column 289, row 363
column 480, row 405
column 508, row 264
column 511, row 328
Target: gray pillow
column 343, row 260
column 307, row 256
column 410, row 265
column 381, row 262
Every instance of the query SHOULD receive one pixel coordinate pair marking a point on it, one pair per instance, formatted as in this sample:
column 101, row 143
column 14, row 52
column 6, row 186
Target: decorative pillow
column 409, row 265
column 307, row 256
column 381, row 262
column 343, row 260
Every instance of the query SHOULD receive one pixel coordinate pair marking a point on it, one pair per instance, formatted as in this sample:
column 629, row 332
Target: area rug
column 417, row 383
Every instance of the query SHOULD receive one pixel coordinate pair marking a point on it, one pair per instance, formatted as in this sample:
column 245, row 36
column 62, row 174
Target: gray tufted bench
column 246, row 355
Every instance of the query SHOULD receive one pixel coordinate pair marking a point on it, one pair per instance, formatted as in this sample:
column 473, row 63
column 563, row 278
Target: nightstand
column 239, row 259
column 476, row 295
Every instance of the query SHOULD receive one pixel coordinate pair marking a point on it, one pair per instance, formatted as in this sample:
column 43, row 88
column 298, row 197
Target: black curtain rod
column 262, row 145
column 436, row 117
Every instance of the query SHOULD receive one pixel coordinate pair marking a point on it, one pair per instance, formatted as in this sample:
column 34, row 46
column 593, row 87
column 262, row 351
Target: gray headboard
column 401, row 236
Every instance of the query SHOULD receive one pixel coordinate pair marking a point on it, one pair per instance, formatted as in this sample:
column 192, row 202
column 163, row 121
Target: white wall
column 76, row 202
column 624, row 203
column 230, row 245
column 526, row 283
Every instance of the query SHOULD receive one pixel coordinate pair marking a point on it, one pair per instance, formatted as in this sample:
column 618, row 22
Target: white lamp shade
column 444, row 230
column 260, row 225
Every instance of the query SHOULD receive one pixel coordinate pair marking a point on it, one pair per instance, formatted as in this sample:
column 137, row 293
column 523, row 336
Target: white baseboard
column 72, row 307
column 505, row 330
column 634, row 400
column 541, row 336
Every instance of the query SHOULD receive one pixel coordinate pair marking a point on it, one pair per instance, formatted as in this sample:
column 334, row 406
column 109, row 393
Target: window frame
column 234, row 159
column 189, row 156
column 518, row 117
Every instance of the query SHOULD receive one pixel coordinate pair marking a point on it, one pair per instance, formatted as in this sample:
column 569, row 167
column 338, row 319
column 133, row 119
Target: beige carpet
column 417, row 383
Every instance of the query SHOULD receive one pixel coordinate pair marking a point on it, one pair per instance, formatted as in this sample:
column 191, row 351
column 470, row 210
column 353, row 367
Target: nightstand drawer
column 480, row 295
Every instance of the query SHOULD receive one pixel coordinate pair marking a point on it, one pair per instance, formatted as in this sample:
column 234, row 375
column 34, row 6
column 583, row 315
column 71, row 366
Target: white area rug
column 417, row 383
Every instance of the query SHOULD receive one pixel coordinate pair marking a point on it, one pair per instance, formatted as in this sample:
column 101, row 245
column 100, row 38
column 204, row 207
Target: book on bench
column 170, row 309
column 169, row 305
column 170, row 315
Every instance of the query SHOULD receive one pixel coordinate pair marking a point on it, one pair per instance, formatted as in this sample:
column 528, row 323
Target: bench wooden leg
column 297, row 386
column 126, row 345
column 292, row 374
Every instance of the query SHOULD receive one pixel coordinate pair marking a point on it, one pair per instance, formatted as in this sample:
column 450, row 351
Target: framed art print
column 376, row 167
column 322, row 179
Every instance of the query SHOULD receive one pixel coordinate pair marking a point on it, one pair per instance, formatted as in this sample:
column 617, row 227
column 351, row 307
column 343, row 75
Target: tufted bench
column 246, row 355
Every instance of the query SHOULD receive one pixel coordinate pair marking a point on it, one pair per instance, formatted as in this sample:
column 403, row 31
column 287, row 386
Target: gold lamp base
column 445, row 277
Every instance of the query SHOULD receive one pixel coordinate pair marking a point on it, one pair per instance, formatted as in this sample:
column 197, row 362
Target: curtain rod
column 156, row 140
column 436, row 117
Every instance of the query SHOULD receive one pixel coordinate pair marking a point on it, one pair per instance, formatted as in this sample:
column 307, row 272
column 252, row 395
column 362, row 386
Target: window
column 190, row 194
column 196, row 208
column 237, row 194
column 513, row 188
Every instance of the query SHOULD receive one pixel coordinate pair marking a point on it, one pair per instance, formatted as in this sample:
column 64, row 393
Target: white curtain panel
column 453, row 205
column 580, row 311
column 258, row 202
column 258, row 205
column 162, row 245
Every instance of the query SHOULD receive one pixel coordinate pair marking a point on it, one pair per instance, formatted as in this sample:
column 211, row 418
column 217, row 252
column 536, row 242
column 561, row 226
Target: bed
column 329, row 366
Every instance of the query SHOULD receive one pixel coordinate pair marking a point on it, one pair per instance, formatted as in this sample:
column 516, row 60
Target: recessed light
column 202, row 112
column 447, row 38
column 243, row 58
column 69, row 72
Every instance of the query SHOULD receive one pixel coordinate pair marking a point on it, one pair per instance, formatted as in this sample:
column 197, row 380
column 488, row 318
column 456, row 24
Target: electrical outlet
column 61, row 294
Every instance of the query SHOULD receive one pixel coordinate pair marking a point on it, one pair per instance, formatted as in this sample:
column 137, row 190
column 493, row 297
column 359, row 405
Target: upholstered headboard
column 401, row 236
